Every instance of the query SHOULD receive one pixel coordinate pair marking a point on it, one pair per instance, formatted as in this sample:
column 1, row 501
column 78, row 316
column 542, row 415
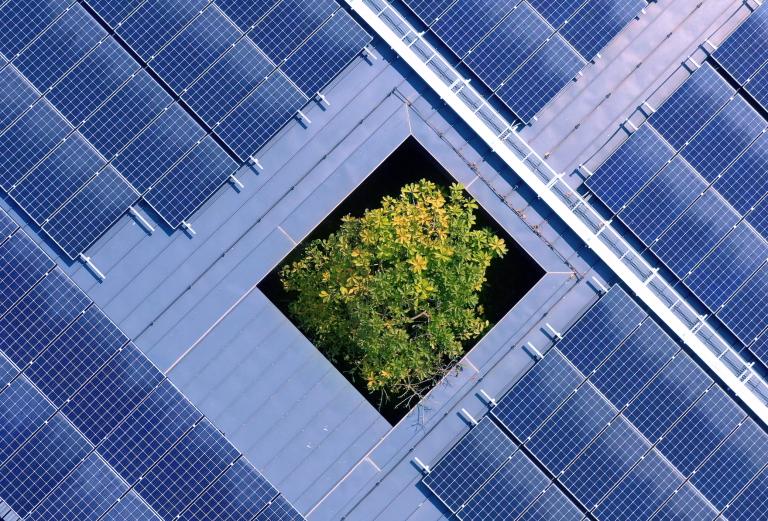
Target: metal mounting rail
column 571, row 207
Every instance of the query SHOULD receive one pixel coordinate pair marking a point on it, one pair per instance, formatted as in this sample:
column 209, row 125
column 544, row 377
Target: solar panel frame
column 557, row 11
column 598, row 22
column 7, row 225
column 114, row 12
column 279, row 510
column 742, row 53
column 461, row 29
column 246, row 14
column 428, row 10
column 757, row 86
column 8, row 371
column 22, row 265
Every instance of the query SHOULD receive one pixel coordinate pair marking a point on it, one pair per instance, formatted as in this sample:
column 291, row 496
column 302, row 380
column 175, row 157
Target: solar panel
column 246, row 14
column 7, row 371
column 537, row 394
column 86, row 216
column 114, row 12
column 238, row 495
column 7, row 225
column 22, row 20
column 40, row 317
column 131, row 508
column 508, row 493
column 325, row 54
column 195, row 49
column 191, row 182
column 743, row 52
column 193, row 464
column 601, row 330
column 703, row 428
column 751, row 500
column 279, row 510
column 687, row 504
column 557, row 11
column 552, row 505
column 508, row 45
column 149, row 432
column 740, row 458
column 463, row 470
column 540, row 78
column 16, row 95
column 154, row 151
column 667, row 397
column 742, row 183
column 76, row 355
column 689, row 108
column 288, row 24
column 428, row 10
column 758, row 217
column 460, row 27
column 57, row 178
column 598, row 22
column 84, row 495
column 760, row 348
column 604, row 462
column 113, row 393
column 22, row 264
column 643, row 154
column 59, row 48
column 23, row 410
column 267, row 109
column 695, row 233
column 758, row 86
column 746, row 314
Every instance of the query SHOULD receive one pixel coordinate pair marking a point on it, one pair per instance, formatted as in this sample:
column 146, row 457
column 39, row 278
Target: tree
column 393, row 296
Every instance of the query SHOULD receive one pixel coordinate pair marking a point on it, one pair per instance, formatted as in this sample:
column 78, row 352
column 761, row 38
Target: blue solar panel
column 758, row 86
column 16, row 95
column 760, row 348
column 125, row 114
column 539, row 79
column 604, row 462
column 57, row 178
column 238, row 495
column 228, row 82
column 268, row 108
column 758, row 217
column 59, row 48
column 177, row 479
column 744, row 51
column 149, row 432
column 156, row 22
column 689, row 108
column 246, row 14
column 508, row 493
column 667, row 397
column 195, row 49
column 85, row 495
column 40, row 317
column 91, row 212
column 643, row 154
column 601, row 330
column 641, row 492
column 290, row 23
column 131, row 508
column 686, row 505
column 461, row 28
column 7, row 225
column 428, row 10
column 76, row 356
column 508, row 45
column 702, row 428
column 746, row 314
column 743, row 184
column 92, row 81
column 22, row 20
column 22, row 264
column 729, row 265
column 24, row 144
column 571, row 428
column 153, row 153
column 751, row 501
column 740, row 458
column 191, row 182
column 557, row 11
column 662, row 201
column 326, row 53
column 23, row 410
column 7, row 371
column 537, row 394
column 34, row 471
column 114, row 12
column 726, row 136
column 551, row 506
column 463, row 470
column 113, row 393
column 279, row 510
column 695, row 233
column 598, row 22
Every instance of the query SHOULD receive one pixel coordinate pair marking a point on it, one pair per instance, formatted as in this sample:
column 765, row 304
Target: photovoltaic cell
column 7, row 371
column 288, row 24
column 462, row 471
column 279, row 510
column 758, row 217
column 22, row 20
column 461, row 28
column 553, row 504
column 537, row 394
column 687, row 504
column 114, row 12
column 643, row 154
column 758, row 86
column 23, row 410
column 743, row 183
column 7, row 225
column 557, row 11
column 751, row 501
column 246, row 14
column 22, row 264
column 746, row 314
column 16, row 95
column 598, row 22
column 743, row 52
column 760, row 348
column 192, row 465
column 131, row 508
column 508, row 492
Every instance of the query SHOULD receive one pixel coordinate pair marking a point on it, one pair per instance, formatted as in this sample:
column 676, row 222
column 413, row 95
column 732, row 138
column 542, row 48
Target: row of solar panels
column 526, row 51
column 620, row 419
column 89, row 428
column 691, row 184
column 87, row 129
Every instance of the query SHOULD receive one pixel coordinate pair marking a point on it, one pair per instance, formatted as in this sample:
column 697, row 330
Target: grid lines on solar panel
column 40, row 317
column 537, row 394
column 428, row 10
column 758, row 217
column 84, row 495
column 246, row 14
column 461, row 28
column 463, row 470
column 22, row 20
column 598, row 22
column 758, row 86
column 7, row 225
column 553, row 504
column 743, row 183
column 508, row 493
column 8, row 371
column 687, row 504
column 182, row 474
column 733, row 464
column 760, row 348
column 557, row 11
column 744, row 51
column 114, row 12
column 131, row 508
column 23, row 410
column 16, row 95
column 746, row 314
column 22, row 264
column 643, row 154
column 750, row 501
column 279, row 510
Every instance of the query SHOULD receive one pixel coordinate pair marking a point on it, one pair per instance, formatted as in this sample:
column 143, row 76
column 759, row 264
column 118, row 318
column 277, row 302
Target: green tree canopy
column 394, row 295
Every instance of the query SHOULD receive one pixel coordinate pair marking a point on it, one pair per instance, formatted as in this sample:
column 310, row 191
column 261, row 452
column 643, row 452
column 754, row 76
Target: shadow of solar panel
column 114, row 12
column 246, row 14
column 290, row 23
column 744, row 182
column 16, row 95
column 744, row 51
column 557, row 11
column 22, row 20
column 746, row 314
column 751, row 500
column 461, row 28
column 131, row 508
column 23, row 410
column 552, row 505
column 687, row 504
column 279, row 510
column 22, row 264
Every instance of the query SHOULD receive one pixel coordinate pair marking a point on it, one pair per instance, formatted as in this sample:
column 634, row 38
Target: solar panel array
column 615, row 422
column 103, row 104
column 91, row 429
column 525, row 51
column 691, row 184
